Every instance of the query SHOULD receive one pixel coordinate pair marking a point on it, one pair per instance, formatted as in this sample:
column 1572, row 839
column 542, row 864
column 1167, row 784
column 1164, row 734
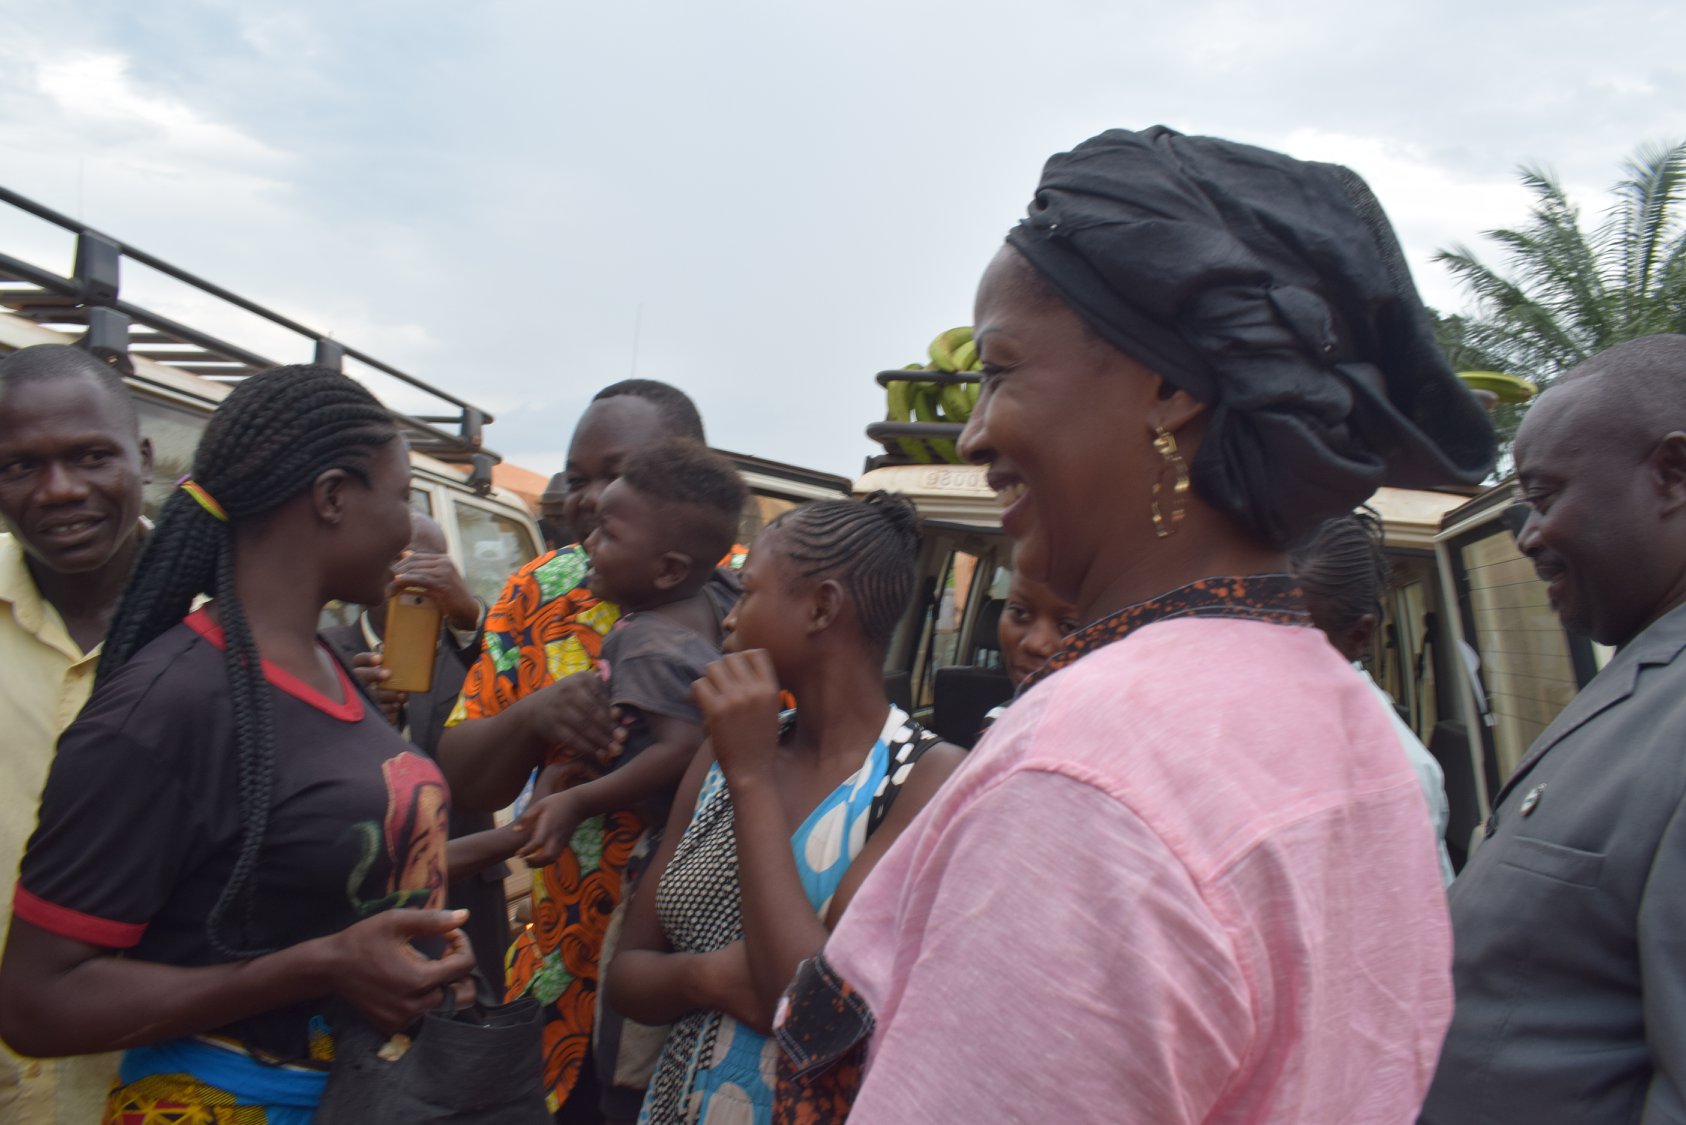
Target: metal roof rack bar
column 94, row 286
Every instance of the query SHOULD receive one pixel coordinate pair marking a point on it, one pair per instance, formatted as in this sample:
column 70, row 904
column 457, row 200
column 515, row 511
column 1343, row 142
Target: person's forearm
column 111, row 1003
column 487, row 761
column 654, row 772
column 781, row 928
column 472, row 854
column 547, row 782
column 655, row 988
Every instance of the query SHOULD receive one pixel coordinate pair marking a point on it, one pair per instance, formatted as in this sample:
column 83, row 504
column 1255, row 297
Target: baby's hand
column 548, row 825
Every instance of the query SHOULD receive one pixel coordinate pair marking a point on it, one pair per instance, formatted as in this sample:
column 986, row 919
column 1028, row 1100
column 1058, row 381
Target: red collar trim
column 349, row 711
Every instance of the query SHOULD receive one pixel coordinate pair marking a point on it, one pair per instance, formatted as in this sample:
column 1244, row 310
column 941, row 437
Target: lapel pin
column 1532, row 800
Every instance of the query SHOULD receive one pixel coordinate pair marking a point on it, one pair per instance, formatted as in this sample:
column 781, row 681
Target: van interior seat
column 986, row 633
column 962, row 694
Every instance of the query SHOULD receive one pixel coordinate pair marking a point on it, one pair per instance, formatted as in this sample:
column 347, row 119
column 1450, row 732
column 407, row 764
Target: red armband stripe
column 74, row 924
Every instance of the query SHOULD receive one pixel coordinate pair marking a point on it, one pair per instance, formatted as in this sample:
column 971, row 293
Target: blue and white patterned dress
column 714, row 1070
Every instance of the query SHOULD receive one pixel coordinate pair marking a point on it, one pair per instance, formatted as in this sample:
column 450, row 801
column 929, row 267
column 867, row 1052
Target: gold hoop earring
column 1165, row 445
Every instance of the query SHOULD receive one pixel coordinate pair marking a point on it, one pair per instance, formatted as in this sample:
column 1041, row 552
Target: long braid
column 254, row 728
column 869, row 546
column 268, row 442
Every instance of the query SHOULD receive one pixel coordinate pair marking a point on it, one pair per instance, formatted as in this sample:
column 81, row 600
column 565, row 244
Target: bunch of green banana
column 954, row 350
column 922, row 401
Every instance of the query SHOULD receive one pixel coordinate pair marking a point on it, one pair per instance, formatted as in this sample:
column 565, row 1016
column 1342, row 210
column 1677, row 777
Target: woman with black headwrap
column 1184, row 878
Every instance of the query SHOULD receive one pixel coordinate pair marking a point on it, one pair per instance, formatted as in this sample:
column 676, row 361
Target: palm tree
column 1570, row 293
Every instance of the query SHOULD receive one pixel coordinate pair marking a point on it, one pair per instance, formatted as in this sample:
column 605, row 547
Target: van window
column 758, row 512
column 174, row 432
column 1407, row 659
column 939, row 628
column 952, row 611
column 1527, row 671
column 493, row 547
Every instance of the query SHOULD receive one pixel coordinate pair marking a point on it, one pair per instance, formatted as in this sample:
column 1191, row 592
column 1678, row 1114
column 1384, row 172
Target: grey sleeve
column 1662, row 970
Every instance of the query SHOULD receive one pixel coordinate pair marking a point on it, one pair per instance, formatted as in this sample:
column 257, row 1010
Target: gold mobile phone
column 411, row 641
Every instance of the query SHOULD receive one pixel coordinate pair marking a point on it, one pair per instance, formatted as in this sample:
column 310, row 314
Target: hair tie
column 204, row 499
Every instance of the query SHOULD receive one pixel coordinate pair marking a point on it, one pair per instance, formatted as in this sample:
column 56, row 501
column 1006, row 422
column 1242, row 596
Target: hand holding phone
column 411, row 641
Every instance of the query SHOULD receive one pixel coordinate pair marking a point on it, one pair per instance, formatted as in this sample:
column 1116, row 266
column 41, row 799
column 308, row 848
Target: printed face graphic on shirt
column 417, row 813
column 424, row 858
column 412, row 837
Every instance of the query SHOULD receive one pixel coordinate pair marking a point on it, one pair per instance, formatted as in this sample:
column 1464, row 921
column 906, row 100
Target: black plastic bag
column 482, row 1065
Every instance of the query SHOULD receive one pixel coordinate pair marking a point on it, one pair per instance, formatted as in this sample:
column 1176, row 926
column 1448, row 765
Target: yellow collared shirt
column 45, row 678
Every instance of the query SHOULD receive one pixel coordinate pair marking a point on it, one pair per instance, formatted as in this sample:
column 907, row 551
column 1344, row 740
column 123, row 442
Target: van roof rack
column 88, row 302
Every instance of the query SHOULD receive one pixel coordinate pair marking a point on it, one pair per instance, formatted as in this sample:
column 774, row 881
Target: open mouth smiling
column 59, row 530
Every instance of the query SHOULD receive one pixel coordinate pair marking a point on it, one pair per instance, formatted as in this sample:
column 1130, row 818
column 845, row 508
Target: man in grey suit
column 1570, row 919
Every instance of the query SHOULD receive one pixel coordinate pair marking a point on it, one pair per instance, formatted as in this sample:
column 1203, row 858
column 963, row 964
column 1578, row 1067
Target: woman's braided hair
column 869, row 546
column 265, row 444
column 1342, row 569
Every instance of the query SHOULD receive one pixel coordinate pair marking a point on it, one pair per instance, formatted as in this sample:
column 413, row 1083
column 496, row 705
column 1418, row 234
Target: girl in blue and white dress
column 783, row 813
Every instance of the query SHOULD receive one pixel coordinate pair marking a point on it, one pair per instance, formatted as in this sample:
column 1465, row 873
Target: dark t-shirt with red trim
column 140, row 823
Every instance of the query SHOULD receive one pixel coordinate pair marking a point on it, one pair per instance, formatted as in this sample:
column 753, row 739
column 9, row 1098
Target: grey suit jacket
column 1570, row 921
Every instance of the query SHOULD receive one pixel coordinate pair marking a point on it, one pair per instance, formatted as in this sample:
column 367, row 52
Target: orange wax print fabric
column 547, row 625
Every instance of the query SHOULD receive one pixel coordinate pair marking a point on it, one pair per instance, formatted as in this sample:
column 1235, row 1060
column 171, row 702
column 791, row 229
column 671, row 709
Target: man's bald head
column 425, row 535
column 1635, row 390
column 1601, row 461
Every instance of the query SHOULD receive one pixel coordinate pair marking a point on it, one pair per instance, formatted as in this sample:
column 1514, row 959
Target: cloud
column 141, row 159
column 94, row 93
column 83, row 117
column 796, row 197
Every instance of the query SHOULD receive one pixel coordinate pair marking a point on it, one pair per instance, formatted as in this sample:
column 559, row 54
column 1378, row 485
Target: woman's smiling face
column 1062, row 426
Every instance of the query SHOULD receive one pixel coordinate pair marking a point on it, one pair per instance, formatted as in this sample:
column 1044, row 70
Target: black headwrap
column 1274, row 290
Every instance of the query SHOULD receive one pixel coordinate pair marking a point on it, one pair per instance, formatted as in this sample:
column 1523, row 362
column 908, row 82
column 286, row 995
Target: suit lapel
column 1659, row 644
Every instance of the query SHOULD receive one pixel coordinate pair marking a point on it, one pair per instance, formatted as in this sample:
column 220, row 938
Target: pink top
column 1183, row 880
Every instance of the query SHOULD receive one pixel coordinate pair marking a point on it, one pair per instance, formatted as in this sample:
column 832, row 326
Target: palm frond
column 1561, row 293
column 1671, row 288
column 1646, row 213
column 1561, row 261
column 1526, row 332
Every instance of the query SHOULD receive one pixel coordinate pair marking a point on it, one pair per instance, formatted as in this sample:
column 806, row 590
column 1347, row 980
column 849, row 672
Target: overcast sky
column 763, row 203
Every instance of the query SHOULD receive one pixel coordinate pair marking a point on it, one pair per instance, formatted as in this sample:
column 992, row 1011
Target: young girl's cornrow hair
column 869, row 546
column 265, row 444
column 1342, row 565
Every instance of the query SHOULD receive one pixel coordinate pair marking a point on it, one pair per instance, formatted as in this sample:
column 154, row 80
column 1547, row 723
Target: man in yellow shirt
column 72, row 467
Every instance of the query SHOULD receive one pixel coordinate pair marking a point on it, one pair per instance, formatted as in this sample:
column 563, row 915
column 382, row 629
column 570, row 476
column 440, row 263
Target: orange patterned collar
column 1275, row 598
